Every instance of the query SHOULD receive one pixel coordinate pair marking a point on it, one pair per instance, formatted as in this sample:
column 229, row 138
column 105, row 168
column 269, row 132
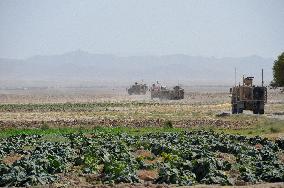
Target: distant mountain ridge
column 82, row 66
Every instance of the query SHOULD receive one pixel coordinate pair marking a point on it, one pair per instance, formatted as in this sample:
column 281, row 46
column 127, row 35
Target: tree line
column 278, row 72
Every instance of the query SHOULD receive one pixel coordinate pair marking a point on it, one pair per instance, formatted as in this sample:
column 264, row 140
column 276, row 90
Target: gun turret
column 248, row 81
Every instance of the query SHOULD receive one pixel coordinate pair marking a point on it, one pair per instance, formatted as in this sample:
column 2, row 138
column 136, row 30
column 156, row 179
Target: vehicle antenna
column 235, row 76
column 262, row 77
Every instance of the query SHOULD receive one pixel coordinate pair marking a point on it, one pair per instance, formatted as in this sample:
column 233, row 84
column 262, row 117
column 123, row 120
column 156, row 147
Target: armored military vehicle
column 248, row 97
column 162, row 92
column 137, row 89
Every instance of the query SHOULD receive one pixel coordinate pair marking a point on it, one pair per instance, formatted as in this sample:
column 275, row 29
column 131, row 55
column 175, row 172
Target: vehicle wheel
column 261, row 111
column 240, row 111
column 258, row 108
column 234, row 110
column 255, row 111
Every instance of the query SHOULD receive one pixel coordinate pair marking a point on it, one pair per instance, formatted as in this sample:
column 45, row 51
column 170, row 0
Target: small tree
column 278, row 71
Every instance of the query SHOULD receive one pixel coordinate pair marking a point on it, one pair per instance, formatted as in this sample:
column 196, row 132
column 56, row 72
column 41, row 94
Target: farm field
column 111, row 156
column 81, row 138
column 136, row 94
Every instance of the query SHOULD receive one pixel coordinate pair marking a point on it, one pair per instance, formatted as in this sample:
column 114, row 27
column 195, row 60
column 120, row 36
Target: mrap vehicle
column 162, row 92
column 248, row 97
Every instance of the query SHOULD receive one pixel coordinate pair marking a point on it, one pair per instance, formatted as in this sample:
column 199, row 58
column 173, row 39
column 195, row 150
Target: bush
column 274, row 130
column 44, row 126
column 168, row 124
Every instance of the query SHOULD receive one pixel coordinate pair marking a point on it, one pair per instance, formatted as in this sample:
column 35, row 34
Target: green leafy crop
column 183, row 158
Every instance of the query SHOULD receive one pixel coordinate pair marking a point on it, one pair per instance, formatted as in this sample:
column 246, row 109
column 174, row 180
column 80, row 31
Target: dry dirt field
column 104, row 106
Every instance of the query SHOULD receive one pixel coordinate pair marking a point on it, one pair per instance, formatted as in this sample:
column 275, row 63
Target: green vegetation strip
column 264, row 128
column 62, row 131
column 114, row 156
column 68, row 106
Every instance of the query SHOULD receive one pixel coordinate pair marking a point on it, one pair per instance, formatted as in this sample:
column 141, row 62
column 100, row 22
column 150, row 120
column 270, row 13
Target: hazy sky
column 220, row 28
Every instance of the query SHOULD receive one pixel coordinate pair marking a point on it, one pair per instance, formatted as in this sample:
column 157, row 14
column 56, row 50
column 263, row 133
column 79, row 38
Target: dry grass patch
column 10, row 159
column 226, row 157
column 258, row 146
column 281, row 156
column 148, row 175
column 144, row 153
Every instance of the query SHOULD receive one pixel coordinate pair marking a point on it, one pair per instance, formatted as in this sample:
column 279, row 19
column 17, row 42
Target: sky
column 219, row 28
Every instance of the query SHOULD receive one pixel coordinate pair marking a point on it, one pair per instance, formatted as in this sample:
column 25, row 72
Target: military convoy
column 157, row 91
column 243, row 97
column 248, row 97
column 137, row 89
column 162, row 92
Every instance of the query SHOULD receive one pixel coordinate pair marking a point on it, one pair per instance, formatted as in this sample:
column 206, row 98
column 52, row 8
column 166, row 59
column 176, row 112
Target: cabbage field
column 104, row 156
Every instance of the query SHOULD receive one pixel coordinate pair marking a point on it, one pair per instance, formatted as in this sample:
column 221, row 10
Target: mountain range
column 81, row 67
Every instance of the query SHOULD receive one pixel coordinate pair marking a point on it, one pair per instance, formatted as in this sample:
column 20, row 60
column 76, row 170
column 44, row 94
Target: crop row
column 183, row 158
column 67, row 106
